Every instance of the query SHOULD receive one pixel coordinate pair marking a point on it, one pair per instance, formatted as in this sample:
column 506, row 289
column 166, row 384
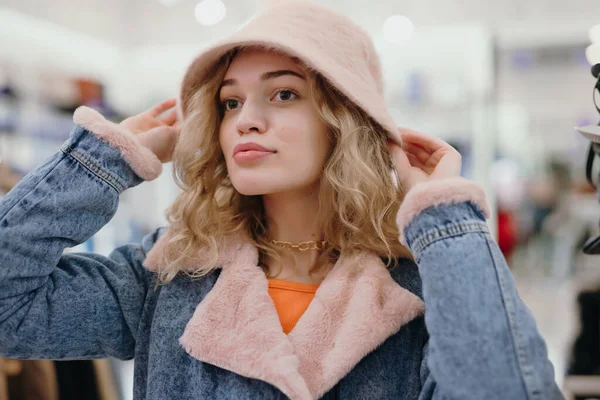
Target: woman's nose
column 251, row 119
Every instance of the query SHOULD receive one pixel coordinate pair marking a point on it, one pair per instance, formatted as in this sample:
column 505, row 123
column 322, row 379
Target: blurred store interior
column 505, row 82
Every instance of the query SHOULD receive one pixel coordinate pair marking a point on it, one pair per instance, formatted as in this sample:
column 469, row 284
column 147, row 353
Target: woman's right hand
column 156, row 132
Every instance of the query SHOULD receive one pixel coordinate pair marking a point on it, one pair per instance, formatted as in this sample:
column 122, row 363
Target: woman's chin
column 254, row 182
column 250, row 187
column 258, row 184
column 247, row 191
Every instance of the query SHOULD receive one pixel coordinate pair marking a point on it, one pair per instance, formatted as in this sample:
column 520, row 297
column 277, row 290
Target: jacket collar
column 236, row 327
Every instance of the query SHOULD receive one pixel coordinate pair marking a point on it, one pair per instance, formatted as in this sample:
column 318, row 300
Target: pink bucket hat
column 326, row 41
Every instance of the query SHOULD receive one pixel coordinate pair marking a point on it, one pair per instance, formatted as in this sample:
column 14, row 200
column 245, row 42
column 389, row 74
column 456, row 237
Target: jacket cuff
column 438, row 192
column 141, row 160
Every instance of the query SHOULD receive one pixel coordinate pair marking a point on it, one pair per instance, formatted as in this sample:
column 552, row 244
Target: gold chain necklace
column 302, row 246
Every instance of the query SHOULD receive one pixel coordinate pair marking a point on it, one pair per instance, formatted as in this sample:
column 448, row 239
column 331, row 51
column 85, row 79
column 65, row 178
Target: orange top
column 291, row 300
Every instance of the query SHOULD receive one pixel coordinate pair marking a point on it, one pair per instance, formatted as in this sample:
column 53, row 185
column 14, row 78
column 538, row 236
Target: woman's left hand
column 156, row 131
column 423, row 158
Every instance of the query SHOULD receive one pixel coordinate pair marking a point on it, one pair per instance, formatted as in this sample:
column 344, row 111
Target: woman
column 280, row 273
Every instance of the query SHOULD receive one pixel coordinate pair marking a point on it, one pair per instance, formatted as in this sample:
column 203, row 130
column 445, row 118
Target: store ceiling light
column 210, row 12
column 398, row 29
column 595, row 34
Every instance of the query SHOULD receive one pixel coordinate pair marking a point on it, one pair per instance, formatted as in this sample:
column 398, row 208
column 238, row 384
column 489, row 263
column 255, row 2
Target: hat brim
column 591, row 132
column 200, row 69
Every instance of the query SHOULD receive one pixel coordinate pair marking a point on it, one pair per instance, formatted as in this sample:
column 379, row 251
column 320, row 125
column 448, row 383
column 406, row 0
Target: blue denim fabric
column 476, row 341
column 481, row 333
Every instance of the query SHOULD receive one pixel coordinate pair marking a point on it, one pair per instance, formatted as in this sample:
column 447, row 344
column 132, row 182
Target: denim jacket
column 448, row 326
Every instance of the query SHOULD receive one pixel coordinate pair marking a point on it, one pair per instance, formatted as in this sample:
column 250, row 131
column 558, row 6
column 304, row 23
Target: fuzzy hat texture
column 326, row 41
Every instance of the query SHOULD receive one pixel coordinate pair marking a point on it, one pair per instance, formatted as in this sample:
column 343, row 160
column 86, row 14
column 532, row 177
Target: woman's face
column 271, row 135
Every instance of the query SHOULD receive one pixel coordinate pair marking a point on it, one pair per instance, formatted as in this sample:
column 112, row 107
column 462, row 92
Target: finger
column 169, row 118
column 449, row 165
column 417, row 151
column 161, row 107
column 415, row 144
column 428, row 142
column 444, row 158
column 415, row 162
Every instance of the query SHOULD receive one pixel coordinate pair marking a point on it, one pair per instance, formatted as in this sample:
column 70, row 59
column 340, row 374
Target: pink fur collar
column 236, row 327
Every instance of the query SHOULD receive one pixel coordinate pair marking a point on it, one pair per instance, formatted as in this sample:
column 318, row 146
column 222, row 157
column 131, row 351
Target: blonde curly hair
column 359, row 193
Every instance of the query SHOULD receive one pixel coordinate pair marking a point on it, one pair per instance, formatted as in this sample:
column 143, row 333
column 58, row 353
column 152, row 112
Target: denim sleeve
column 69, row 306
column 483, row 341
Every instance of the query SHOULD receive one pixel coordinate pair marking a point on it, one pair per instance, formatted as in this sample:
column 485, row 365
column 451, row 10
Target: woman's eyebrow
column 266, row 76
column 277, row 74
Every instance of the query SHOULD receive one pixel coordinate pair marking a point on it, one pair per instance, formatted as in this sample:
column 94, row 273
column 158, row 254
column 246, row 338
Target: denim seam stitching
column 444, row 233
column 94, row 168
column 106, row 175
column 518, row 342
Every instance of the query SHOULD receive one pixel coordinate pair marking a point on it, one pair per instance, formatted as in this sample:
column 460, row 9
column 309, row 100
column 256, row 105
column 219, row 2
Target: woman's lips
column 247, row 152
column 250, row 155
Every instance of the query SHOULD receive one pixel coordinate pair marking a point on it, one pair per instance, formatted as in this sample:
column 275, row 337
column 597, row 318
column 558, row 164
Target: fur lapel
column 356, row 308
column 236, row 327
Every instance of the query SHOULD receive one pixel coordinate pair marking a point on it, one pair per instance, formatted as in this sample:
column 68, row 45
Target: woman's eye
column 286, row 95
column 230, row 104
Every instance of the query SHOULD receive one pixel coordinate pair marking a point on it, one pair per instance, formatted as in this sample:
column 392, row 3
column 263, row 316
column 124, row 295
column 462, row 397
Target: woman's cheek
column 226, row 140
